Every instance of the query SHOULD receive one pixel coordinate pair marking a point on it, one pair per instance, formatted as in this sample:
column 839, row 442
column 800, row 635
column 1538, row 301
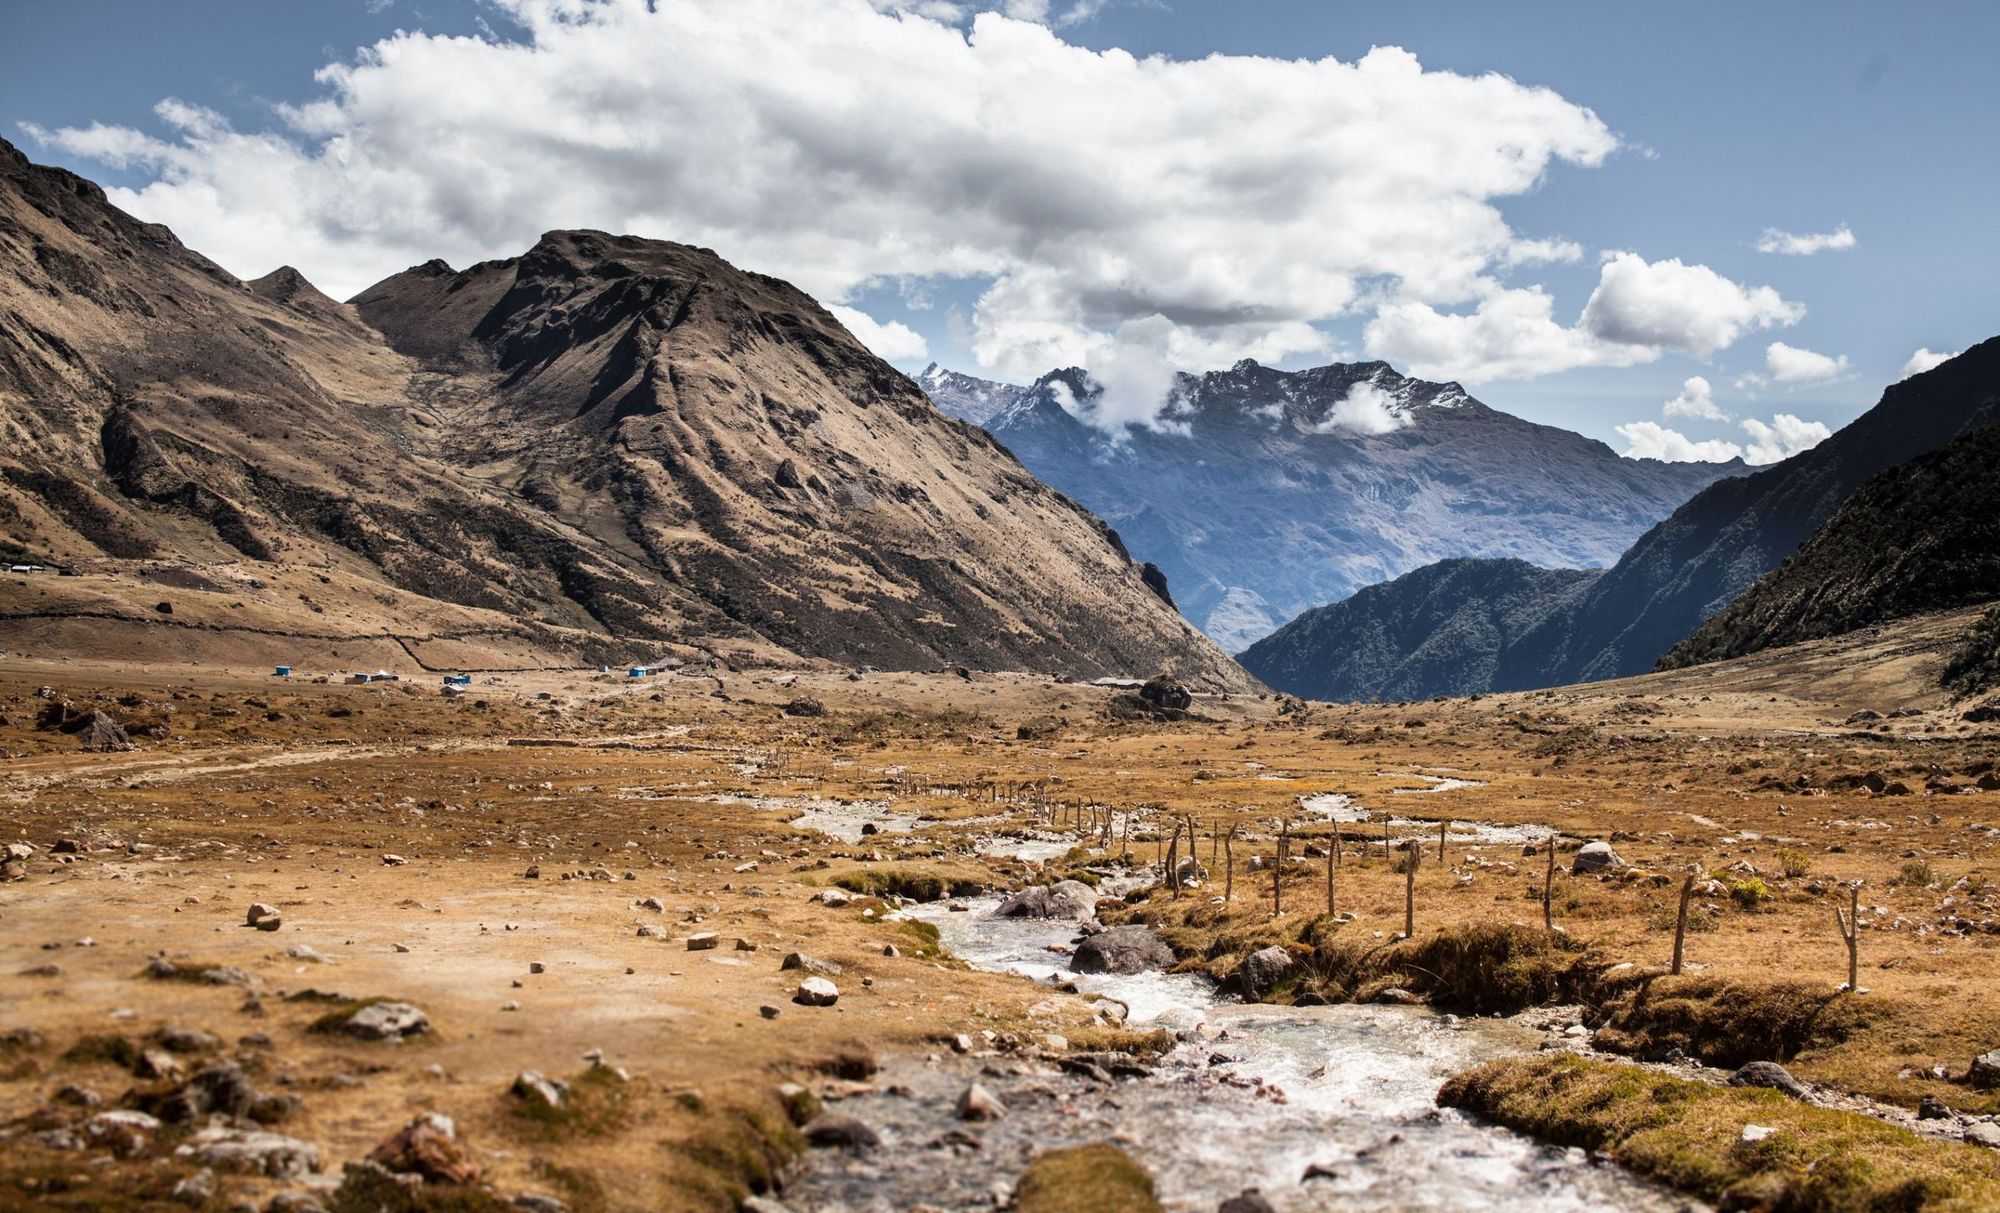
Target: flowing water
column 1254, row 1097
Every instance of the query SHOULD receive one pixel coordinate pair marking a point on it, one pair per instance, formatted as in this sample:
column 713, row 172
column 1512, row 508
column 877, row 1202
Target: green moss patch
column 1098, row 1178
column 1690, row 1136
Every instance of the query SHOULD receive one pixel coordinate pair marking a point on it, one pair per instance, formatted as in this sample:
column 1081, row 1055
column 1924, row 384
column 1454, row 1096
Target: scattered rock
column 816, row 992
column 1985, row 1071
column 252, row 1152
column 548, row 1092
column 124, row 1132
column 263, row 917
column 428, row 1146
column 1064, row 899
column 1261, row 971
column 1771, row 1075
column 830, row 1132
column 1127, row 949
column 705, row 941
column 1595, row 856
column 809, row 964
column 977, row 1103
column 805, row 705
column 1983, row 1133
column 1930, row 1107
column 104, row 735
column 386, row 1021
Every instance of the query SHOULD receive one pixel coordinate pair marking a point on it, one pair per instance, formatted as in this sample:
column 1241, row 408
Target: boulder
column 816, row 992
column 1982, row 1133
column 1985, row 1071
column 1596, row 856
column 124, row 1133
column 263, row 917
column 1064, row 899
column 1261, row 972
column 705, row 941
column 805, row 705
column 809, row 964
column 428, row 1146
column 250, row 1152
column 1166, row 694
column 829, row 1132
column 104, row 735
column 1251, row 1201
column 550, row 1093
column 386, row 1021
column 1769, row 1075
column 1122, row 950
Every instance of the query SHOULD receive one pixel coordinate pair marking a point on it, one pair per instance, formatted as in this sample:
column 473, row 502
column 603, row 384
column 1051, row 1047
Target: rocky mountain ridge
column 1262, row 493
column 603, row 443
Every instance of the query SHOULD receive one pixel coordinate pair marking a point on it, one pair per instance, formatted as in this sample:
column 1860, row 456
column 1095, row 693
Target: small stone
column 428, row 1146
column 393, row 861
column 703, row 942
column 816, row 992
column 770, row 1011
column 1770, row 1075
column 1985, row 1071
column 1930, row 1107
column 1753, row 1134
column 263, row 917
column 649, row 930
column 1250, row 1201
column 829, row 1132
column 977, row 1103
column 531, row 1086
column 809, row 964
column 386, row 1021
column 252, row 1152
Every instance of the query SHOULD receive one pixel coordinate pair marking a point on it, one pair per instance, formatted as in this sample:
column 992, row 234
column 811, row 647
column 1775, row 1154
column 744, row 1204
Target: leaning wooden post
column 1174, row 863
column 1681, row 924
column 1229, row 865
column 1441, row 829
column 1850, row 931
column 1416, row 854
column 1215, row 840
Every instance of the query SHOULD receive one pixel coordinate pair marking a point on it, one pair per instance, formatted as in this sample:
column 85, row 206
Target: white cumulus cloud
column 1366, row 409
column 1697, row 400
column 1927, row 360
column 1783, row 437
column 1111, row 207
column 1651, row 440
column 893, row 340
column 1639, row 311
column 1790, row 364
column 1795, row 244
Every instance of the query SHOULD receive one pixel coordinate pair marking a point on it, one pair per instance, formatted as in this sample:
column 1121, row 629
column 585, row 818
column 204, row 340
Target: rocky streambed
column 1317, row 1108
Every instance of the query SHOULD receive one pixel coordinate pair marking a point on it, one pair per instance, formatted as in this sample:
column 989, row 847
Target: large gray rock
column 1261, row 972
column 828, row 1132
column 252, row 1153
column 1770, row 1075
column 1063, row 899
column 1596, row 856
column 1122, row 950
column 1985, row 1072
column 386, row 1021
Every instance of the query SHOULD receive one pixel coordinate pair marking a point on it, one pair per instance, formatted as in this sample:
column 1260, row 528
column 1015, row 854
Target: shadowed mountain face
column 1442, row 630
column 1923, row 536
column 603, row 440
column 1265, row 493
column 1916, row 538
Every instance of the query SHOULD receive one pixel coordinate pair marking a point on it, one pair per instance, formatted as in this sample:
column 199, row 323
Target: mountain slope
column 1923, row 536
column 1711, row 549
column 602, row 442
column 1266, row 492
column 1441, row 630
column 1690, row 567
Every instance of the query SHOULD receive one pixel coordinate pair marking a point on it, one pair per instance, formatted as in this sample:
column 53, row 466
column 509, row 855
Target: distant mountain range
column 1264, row 493
column 1910, row 539
column 596, row 448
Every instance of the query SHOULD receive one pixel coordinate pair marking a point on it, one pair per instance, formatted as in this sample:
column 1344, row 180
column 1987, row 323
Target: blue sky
column 1728, row 119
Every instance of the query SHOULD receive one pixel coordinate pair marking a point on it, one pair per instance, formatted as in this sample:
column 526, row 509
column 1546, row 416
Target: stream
column 1253, row 1097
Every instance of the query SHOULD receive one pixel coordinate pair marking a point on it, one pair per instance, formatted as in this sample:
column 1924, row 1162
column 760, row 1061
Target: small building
column 360, row 679
column 283, row 671
column 458, row 680
column 637, row 671
column 24, row 568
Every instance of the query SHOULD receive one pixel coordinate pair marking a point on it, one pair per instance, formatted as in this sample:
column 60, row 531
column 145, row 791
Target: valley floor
column 486, row 858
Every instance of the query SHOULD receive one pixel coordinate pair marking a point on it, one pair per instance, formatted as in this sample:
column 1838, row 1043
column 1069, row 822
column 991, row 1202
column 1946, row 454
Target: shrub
column 1793, row 863
column 1917, row 874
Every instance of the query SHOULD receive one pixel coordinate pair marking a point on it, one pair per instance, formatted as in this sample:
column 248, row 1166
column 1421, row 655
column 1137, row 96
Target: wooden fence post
column 1681, row 924
column 1415, row 856
column 1278, row 870
column 1332, row 866
column 1548, row 888
column 1850, row 931
column 1441, row 830
column 1229, row 865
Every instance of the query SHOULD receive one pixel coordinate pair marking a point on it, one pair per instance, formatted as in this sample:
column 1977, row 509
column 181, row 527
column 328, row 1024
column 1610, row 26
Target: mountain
column 1709, row 551
column 1441, row 630
column 1261, row 493
column 602, row 445
column 1923, row 536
